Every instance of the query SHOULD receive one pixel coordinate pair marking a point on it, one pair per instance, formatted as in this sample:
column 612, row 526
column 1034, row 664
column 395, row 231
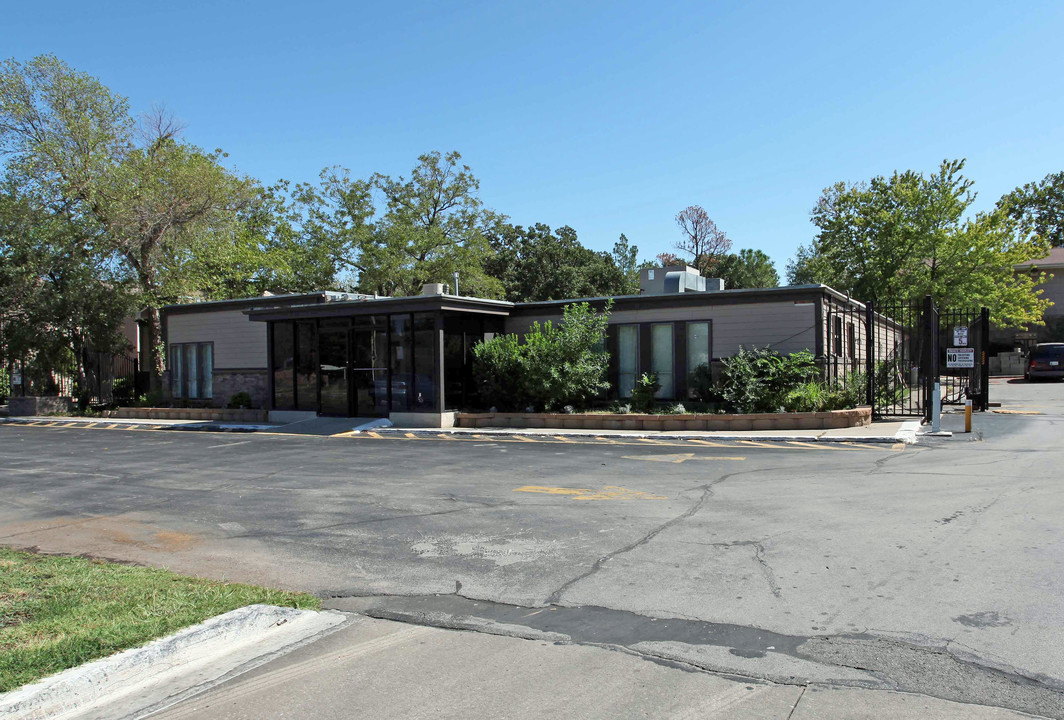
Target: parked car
column 1045, row 361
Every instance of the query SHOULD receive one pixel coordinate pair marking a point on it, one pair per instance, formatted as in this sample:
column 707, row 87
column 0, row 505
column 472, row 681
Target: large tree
column 432, row 225
column 701, row 238
column 747, row 269
column 911, row 235
column 537, row 263
column 60, row 302
column 1039, row 208
column 162, row 208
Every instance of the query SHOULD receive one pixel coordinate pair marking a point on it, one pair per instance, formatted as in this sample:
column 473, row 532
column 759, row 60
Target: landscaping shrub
column 759, row 379
column 646, row 387
column 554, row 365
column 239, row 401
column 807, row 397
column 701, row 384
column 122, row 391
column 5, row 385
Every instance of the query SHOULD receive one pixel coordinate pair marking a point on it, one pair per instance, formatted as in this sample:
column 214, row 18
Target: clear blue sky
column 606, row 116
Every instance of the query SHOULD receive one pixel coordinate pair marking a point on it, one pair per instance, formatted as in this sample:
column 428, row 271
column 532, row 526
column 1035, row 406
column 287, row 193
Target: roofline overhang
column 382, row 306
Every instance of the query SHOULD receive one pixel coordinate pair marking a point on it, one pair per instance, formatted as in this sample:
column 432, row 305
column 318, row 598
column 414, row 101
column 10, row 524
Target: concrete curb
column 901, row 436
column 171, row 668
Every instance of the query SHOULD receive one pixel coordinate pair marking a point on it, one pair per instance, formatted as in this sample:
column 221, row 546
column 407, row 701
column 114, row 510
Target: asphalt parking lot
column 934, row 568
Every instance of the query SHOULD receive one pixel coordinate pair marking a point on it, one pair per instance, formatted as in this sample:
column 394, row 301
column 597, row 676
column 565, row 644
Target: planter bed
column 187, row 414
column 603, row 421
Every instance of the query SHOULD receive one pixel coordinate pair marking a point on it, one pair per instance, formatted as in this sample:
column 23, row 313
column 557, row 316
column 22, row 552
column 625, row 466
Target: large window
column 424, row 394
column 697, row 345
column 661, row 358
column 627, row 358
column 192, row 371
column 307, row 365
column 283, row 365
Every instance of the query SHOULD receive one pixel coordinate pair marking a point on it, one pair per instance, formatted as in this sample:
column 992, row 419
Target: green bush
column 5, row 385
column 122, row 391
column 807, row 397
column 646, row 387
column 239, row 401
column 701, row 384
column 554, row 366
column 759, row 379
column 152, row 398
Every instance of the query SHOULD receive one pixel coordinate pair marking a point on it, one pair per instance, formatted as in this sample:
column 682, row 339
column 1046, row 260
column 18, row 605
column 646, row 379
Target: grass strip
column 59, row 612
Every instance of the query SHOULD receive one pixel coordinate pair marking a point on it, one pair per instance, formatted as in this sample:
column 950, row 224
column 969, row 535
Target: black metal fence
column 898, row 350
column 108, row 379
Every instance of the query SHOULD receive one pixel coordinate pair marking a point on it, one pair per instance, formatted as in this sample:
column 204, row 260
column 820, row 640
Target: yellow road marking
column 805, row 445
column 679, row 457
column 755, row 443
column 706, row 442
column 411, row 435
column 562, row 438
column 609, row 492
column 897, row 447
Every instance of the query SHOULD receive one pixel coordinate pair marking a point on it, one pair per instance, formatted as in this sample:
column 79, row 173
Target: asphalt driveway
column 934, row 569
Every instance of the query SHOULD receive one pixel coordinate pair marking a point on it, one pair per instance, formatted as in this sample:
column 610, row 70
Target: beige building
column 410, row 358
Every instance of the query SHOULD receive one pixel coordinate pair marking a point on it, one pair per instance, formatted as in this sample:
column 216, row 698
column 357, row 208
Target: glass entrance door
column 369, row 366
column 334, row 369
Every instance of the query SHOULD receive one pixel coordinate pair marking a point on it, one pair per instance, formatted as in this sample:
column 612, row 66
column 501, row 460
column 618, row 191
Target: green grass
column 59, row 612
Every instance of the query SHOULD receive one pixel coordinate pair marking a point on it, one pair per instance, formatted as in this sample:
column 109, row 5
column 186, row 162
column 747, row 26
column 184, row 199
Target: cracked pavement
column 935, row 570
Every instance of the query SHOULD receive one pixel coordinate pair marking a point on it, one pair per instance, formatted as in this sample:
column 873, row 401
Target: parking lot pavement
column 381, row 669
column 933, row 569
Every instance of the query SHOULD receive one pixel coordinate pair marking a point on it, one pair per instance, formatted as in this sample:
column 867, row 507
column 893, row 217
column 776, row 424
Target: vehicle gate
column 898, row 351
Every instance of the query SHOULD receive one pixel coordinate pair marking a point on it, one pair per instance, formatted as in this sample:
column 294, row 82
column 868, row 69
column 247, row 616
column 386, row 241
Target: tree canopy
column 911, row 235
column 1039, row 208
column 747, row 269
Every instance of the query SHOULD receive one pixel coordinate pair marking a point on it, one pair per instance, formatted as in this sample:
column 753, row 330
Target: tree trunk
column 156, row 358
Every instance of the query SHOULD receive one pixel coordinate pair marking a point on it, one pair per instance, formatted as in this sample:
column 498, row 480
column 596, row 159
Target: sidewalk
column 382, row 669
column 895, row 431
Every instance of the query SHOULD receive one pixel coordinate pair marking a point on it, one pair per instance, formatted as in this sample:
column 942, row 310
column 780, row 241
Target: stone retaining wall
column 188, row 414
column 603, row 421
column 34, row 406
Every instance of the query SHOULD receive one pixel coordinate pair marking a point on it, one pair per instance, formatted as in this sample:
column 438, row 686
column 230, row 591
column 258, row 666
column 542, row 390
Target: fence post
column 984, row 368
column 929, row 356
column 870, row 353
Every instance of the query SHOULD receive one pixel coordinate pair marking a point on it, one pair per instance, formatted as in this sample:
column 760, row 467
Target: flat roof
column 326, row 303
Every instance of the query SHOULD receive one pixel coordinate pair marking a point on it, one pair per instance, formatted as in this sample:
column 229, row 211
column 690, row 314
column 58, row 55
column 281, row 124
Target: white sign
column 960, row 335
column 16, row 378
column 960, row 357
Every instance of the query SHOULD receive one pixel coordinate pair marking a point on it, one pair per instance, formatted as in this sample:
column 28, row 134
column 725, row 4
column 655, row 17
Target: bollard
column 936, row 409
column 968, row 415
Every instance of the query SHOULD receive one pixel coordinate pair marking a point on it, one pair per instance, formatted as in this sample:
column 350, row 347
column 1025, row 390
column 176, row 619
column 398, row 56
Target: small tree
column 554, row 366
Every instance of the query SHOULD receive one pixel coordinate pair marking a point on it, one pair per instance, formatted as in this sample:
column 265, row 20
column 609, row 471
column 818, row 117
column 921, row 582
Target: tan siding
column 238, row 342
column 785, row 326
column 1053, row 289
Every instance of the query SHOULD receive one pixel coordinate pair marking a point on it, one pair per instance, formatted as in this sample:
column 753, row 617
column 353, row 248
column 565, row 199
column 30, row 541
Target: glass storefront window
column 306, row 365
column 661, row 358
column 401, row 362
column 283, row 363
column 424, row 391
column 627, row 358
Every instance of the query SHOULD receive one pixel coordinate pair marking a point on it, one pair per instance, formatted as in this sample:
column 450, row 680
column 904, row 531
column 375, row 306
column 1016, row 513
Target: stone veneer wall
column 857, row 417
column 228, row 383
column 34, row 405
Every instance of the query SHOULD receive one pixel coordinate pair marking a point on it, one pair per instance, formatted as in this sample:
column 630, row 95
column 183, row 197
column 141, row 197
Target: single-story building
column 410, row 358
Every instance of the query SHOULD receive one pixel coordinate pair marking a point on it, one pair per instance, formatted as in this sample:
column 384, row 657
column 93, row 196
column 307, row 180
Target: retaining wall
column 857, row 417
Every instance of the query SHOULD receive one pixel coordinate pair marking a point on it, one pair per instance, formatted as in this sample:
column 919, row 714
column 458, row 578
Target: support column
column 439, row 365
